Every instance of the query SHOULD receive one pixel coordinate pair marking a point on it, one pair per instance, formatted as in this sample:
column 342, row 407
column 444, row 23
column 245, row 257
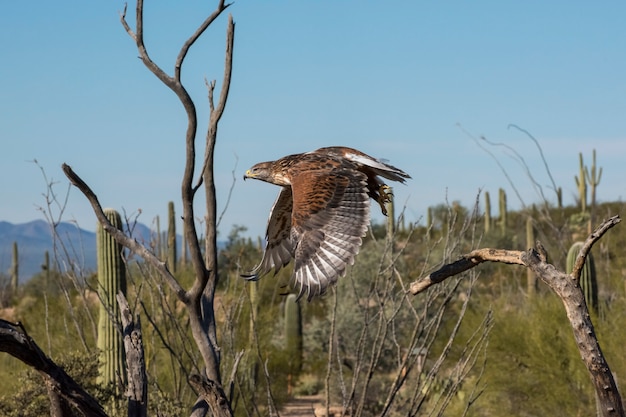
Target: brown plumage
column 321, row 214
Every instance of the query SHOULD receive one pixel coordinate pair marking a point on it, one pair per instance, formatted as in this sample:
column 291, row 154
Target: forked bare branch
column 567, row 288
column 196, row 35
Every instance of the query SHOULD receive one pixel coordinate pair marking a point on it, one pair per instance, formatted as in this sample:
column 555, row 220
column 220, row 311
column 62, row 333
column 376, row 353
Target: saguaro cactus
column 253, row 288
column 171, row 237
column 183, row 252
column 487, row 212
column 293, row 338
column 593, row 177
column 581, row 183
column 158, row 245
column 429, row 221
column 253, row 360
column 588, row 279
column 15, row 269
column 503, row 216
column 45, row 267
column 111, row 280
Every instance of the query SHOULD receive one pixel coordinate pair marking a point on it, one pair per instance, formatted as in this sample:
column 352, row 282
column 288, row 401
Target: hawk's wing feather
column 379, row 167
column 330, row 216
column 279, row 248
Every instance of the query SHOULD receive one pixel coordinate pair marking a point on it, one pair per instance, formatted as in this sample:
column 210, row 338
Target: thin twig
column 543, row 158
column 230, row 192
column 504, row 171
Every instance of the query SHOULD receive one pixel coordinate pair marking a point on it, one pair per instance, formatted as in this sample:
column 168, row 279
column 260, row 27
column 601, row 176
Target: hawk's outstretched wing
column 278, row 248
column 330, row 216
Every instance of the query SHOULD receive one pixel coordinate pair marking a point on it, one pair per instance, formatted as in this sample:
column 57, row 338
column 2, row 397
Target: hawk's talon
column 384, row 196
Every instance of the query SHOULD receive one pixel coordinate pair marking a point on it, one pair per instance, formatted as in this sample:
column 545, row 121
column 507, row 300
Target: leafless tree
column 199, row 298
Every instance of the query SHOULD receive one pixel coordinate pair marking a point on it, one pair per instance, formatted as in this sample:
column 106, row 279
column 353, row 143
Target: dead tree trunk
column 567, row 288
column 137, row 388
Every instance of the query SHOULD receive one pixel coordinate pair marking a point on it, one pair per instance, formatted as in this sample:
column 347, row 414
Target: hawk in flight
column 321, row 213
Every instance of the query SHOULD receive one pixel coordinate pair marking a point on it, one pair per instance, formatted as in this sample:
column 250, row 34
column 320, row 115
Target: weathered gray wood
column 137, row 388
column 213, row 394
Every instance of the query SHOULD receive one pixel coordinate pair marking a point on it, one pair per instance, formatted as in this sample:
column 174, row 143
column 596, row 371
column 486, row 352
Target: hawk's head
column 268, row 172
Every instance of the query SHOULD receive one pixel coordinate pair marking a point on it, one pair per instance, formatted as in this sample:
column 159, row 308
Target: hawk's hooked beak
column 247, row 175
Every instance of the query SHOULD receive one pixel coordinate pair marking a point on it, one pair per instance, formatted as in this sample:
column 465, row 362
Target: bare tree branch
column 228, row 70
column 567, row 288
column 466, row 262
column 62, row 388
column 216, row 113
column 121, row 237
column 193, row 38
column 589, row 242
column 230, row 192
column 543, row 158
column 504, row 171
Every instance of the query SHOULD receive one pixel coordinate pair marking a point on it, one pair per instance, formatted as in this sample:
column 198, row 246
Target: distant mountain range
column 36, row 237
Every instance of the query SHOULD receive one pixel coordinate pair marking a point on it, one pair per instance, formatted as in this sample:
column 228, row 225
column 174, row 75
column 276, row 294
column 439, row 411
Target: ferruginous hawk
column 321, row 213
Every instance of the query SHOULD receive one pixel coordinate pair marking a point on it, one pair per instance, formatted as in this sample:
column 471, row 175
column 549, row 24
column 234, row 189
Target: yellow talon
column 385, row 191
column 384, row 196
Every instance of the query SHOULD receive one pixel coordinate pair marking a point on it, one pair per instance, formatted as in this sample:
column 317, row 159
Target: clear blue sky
column 393, row 79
